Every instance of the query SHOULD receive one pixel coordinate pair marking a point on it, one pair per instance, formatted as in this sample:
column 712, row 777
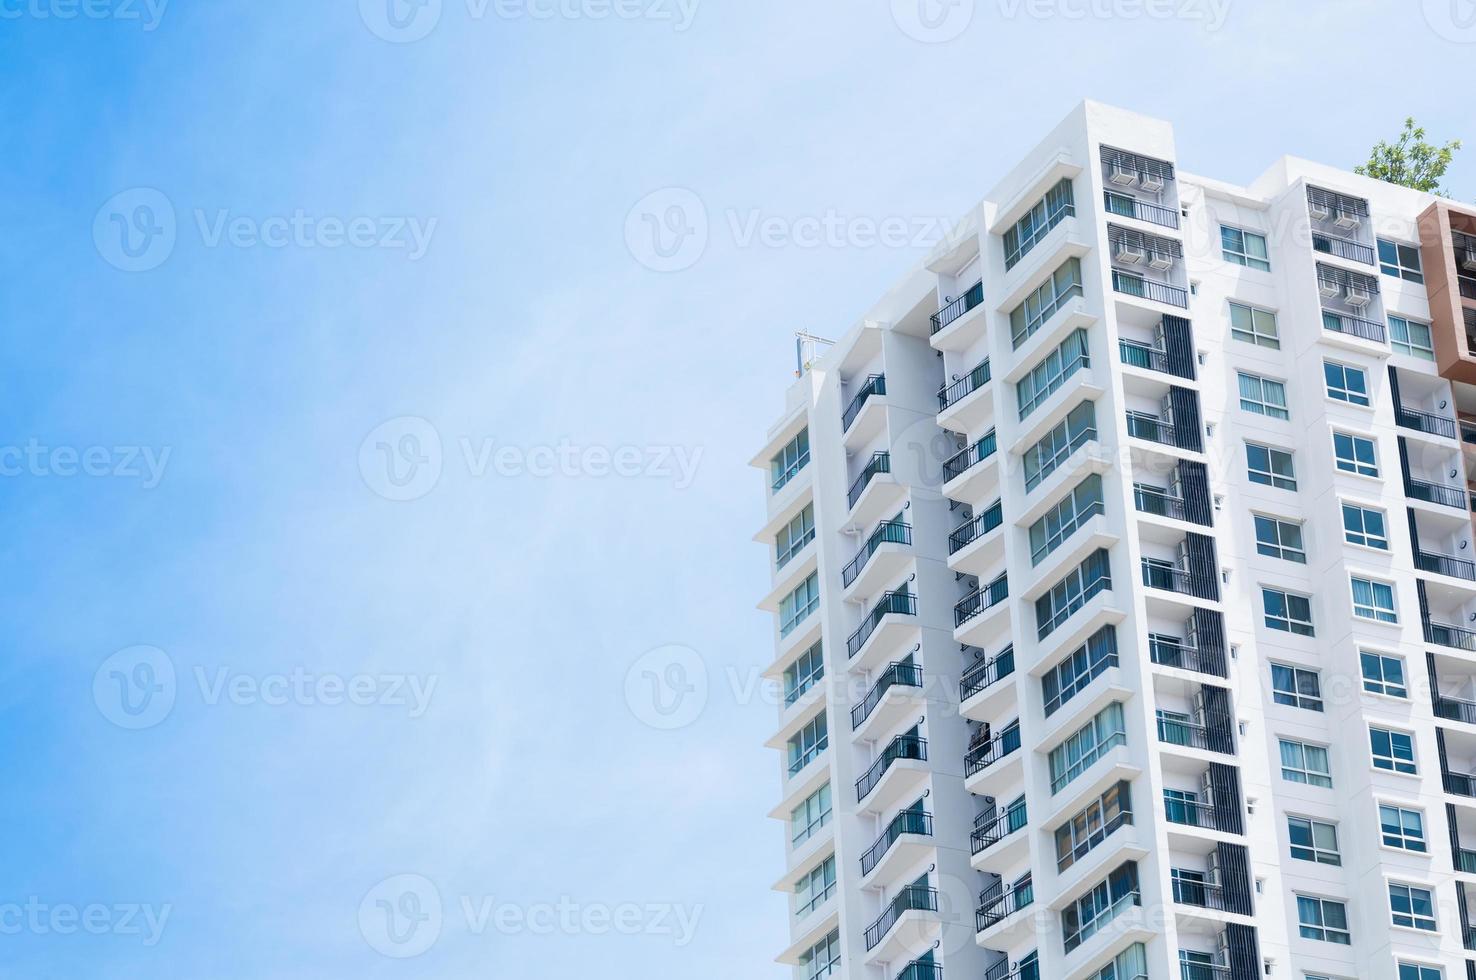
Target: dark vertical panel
column 1235, row 879
column 1178, row 343
column 1209, row 628
column 1404, row 465
column 1394, row 386
column 1187, row 432
column 1218, row 721
column 1455, row 836
column 1204, row 567
column 1194, row 483
column 1225, row 785
column 1245, row 952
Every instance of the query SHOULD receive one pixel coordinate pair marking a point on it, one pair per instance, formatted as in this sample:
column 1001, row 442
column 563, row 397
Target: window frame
column 1271, row 475
column 1315, row 852
column 1353, row 465
column 1382, row 680
column 1295, row 696
column 1414, row 917
column 1269, row 620
column 1400, row 270
column 1345, row 394
column 1306, row 773
column 1375, row 613
column 1276, row 546
column 1238, row 253
column 1396, row 763
column 1402, row 810
column 1407, row 345
column 1304, row 927
column 1254, row 336
column 1363, row 512
column 1260, row 405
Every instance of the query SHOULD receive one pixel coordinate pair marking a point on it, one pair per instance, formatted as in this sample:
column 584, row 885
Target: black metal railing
column 1435, row 425
column 1190, row 970
column 986, row 673
column 1212, row 738
column 1131, row 207
column 911, row 897
column 901, row 603
column 1169, row 653
column 1445, row 635
column 875, row 384
column 901, row 747
column 907, row 822
column 999, row 904
column 1458, row 783
column 967, row 385
column 887, row 532
column 1429, row 561
column 1158, row 502
column 1455, row 709
column 983, row 756
column 1437, row 493
column 969, row 456
column 881, row 462
column 980, row 599
column 1094, row 837
column 1135, row 353
column 1141, row 425
column 1004, row 823
column 1172, row 578
column 1144, row 288
column 1465, row 860
column 971, row 298
column 921, row 970
column 1026, row 969
column 1193, row 813
column 1353, row 326
column 1191, row 891
column 896, row 675
column 1344, row 248
column 975, row 528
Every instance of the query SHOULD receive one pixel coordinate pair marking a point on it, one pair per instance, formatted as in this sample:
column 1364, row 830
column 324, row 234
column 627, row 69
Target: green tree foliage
column 1411, row 160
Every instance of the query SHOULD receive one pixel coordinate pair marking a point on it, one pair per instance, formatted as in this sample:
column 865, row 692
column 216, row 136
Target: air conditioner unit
column 1129, row 254
column 1123, row 176
column 1347, row 219
column 1151, row 182
column 1317, row 209
column 1328, row 288
column 1357, row 297
column 1468, row 259
column 1160, row 260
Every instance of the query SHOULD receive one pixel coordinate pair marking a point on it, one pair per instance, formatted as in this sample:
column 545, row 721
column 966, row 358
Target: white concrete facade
column 986, row 688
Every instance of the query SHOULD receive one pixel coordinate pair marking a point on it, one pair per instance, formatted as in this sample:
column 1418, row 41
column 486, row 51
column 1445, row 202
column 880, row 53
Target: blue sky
column 204, row 435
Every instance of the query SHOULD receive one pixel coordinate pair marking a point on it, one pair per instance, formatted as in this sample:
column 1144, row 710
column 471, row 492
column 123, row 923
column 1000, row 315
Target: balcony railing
column 1353, row 326
column 997, row 905
column 896, row 675
column 1193, row 813
column 1189, row 970
column 875, row 384
column 907, row 822
column 1191, row 891
column 1141, row 425
column 1094, row 837
column 881, row 462
column 970, row 456
column 1437, row 493
column 911, row 897
column 1159, row 503
column 971, row 298
column 987, row 673
column 980, row 599
column 1004, row 823
column 1465, row 860
column 1458, row 783
column 965, row 386
column 971, row 530
column 1435, row 425
column 920, row 970
column 1445, row 635
column 1135, row 353
column 1172, row 578
column 901, row 603
column 887, row 532
column 1026, row 969
column 983, row 756
column 1428, row 561
column 1144, row 288
column 1343, row 248
column 1211, row 738
column 1131, row 207
column 901, row 747
column 1455, row 709
column 1169, row 653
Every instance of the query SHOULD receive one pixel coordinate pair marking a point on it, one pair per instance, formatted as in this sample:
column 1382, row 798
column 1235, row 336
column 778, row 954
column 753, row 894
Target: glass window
column 1296, row 686
column 1313, row 840
column 821, row 959
column 1056, row 446
column 1411, row 906
column 1402, row 827
column 1254, row 326
column 801, row 675
column 794, row 607
column 1072, row 592
column 1365, row 526
column 1276, row 538
column 1355, row 454
column 1086, row 745
column 1400, row 261
column 809, row 817
column 1302, row 762
column 1323, row 919
column 1383, row 674
column 1077, row 836
column 1075, row 509
column 1077, row 669
column 1393, row 751
column 1024, row 234
column 1244, row 248
column 1287, row 611
column 1089, row 914
column 1042, row 304
column 1130, row 964
column 1418, row 971
column 793, row 536
column 1073, row 354
column 1263, row 396
column 1374, row 600
column 1344, row 383
column 807, row 743
column 1270, row 467
column 790, row 460
column 1411, row 337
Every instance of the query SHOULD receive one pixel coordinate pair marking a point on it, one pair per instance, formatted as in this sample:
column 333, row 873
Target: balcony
column 971, row 298
column 969, row 456
column 1458, row 783
column 1141, row 287
column 1169, row 577
column 898, row 603
column 912, row 897
column 1427, row 561
column 987, row 753
column 901, row 747
column 1158, row 502
column 972, row 530
column 1135, row 353
column 1151, row 428
column 1455, row 709
column 915, row 822
column 875, row 384
column 881, row 462
column 1196, row 969
column 1003, row 824
column 896, row 675
column 1209, row 737
column 951, row 394
column 998, row 904
column 921, row 970
column 1343, row 248
column 1025, row 969
column 1197, row 813
column 986, row 673
column 1352, row 325
column 1194, row 888
column 1132, row 207
column 1436, row 493
column 1168, row 652
column 980, row 600
column 1445, row 635
column 1426, row 422
column 887, row 532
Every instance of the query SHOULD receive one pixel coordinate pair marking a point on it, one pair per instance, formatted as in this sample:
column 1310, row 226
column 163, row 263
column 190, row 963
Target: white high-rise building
column 1123, row 582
